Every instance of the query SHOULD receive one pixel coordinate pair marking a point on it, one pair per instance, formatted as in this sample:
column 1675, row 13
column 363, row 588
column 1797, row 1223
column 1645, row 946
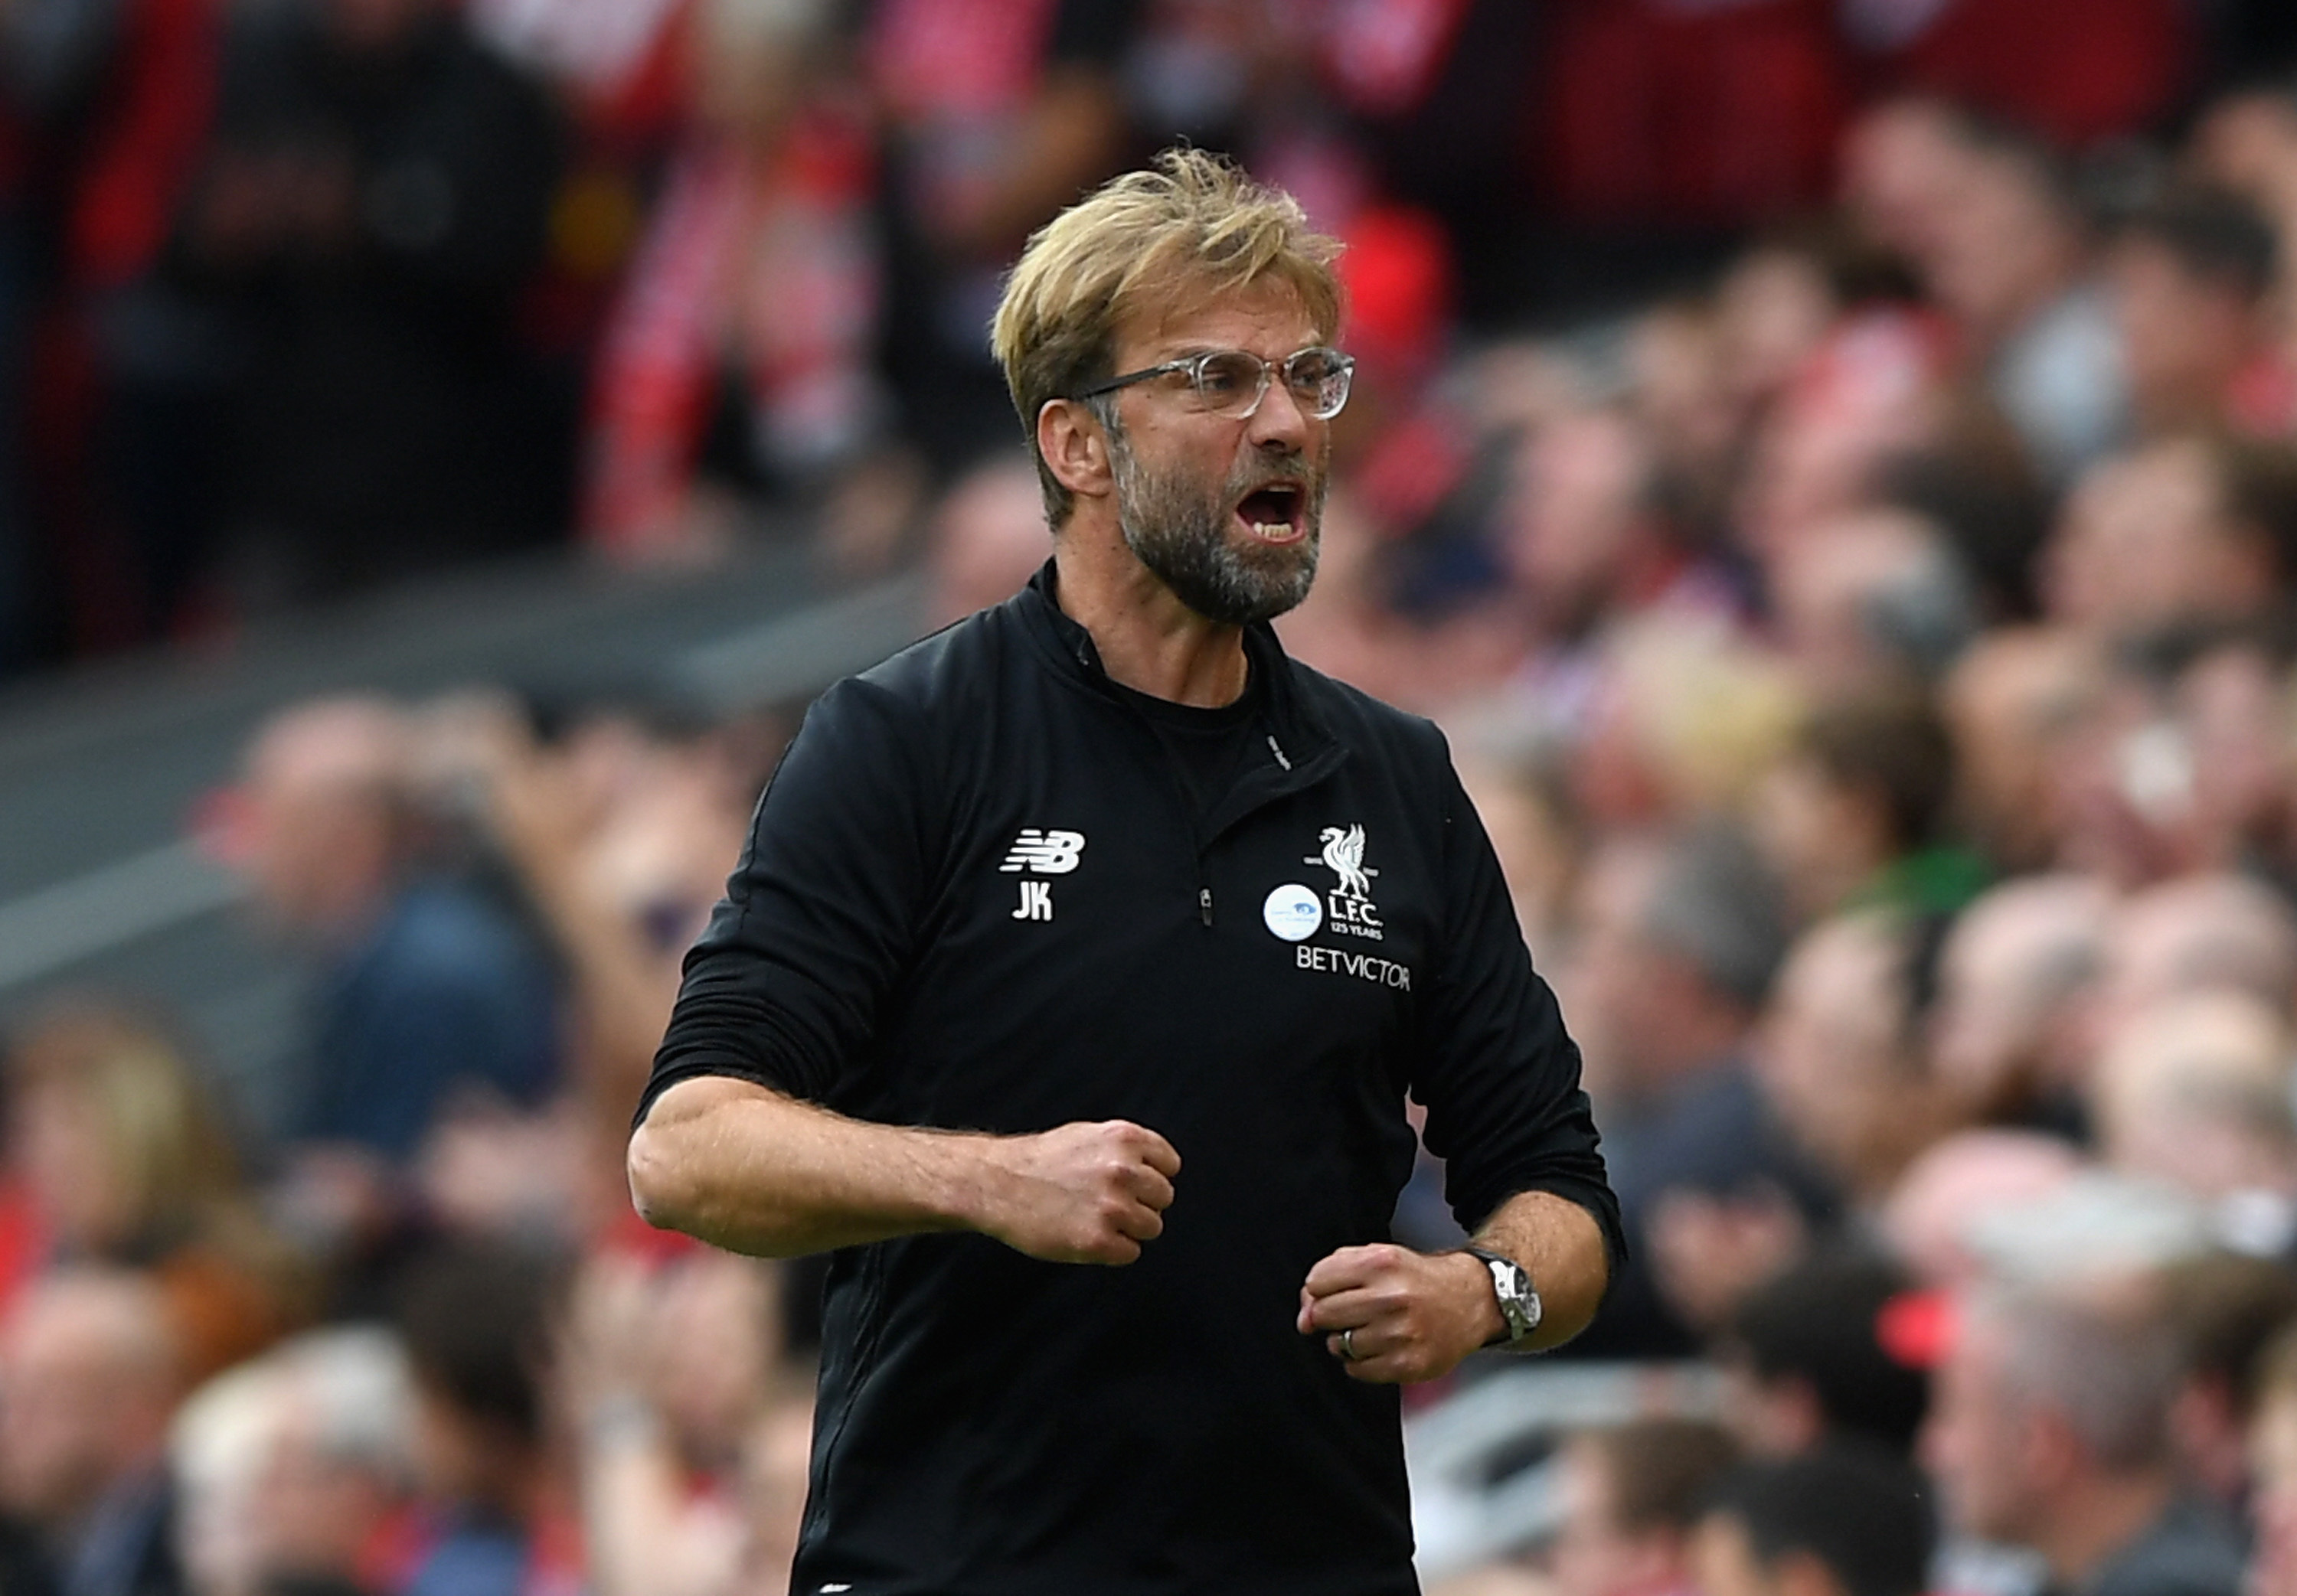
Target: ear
column 1076, row 450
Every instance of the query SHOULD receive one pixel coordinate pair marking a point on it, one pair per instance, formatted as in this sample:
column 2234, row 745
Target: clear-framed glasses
column 1232, row 383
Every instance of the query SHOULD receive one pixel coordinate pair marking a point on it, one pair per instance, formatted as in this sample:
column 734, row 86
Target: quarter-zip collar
column 1301, row 753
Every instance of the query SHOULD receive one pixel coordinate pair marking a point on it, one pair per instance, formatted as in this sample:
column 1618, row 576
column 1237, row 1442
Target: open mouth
column 1274, row 514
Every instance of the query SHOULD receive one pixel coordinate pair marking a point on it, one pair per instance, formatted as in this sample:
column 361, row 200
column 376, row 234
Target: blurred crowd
column 300, row 297
column 1830, row 469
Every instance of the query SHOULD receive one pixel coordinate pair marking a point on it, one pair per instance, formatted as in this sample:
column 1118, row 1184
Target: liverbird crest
column 1344, row 852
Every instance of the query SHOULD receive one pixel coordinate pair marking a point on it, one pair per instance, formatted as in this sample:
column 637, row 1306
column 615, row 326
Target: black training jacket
column 977, row 896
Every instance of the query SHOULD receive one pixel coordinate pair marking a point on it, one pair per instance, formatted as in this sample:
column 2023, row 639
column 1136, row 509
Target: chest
column 1101, row 940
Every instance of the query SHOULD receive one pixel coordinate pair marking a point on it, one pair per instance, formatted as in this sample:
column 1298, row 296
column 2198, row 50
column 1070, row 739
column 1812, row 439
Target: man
column 2188, row 529
column 1809, row 1359
column 2192, row 277
column 428, row 989
column 90, row 1376
column 2049, row 1430
column 1630, row 1495
column 372, row 204
column 1679, row 941
column 1841, row 1520
column 2013, row 973
column 1092, row 884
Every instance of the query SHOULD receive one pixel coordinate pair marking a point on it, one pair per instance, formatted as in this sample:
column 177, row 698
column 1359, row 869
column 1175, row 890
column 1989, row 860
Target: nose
column 1280, row 425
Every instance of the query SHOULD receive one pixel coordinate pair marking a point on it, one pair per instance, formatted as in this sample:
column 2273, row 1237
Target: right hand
column 1080, row 1193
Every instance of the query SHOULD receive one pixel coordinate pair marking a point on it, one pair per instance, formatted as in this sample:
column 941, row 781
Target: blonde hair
column 167, row 1147
column 1192, row 226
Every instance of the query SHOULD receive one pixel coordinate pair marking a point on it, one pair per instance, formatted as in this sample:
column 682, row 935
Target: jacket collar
column 1305, row 750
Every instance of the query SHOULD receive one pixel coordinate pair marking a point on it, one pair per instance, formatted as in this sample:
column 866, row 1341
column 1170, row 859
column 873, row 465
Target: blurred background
column 1830, row 467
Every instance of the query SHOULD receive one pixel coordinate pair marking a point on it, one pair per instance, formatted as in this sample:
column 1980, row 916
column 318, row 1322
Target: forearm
column 748, row 1170
column 1561, row 1247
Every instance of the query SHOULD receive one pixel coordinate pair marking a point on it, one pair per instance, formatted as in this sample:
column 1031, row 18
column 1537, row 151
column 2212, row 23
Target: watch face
column 1519, row 1303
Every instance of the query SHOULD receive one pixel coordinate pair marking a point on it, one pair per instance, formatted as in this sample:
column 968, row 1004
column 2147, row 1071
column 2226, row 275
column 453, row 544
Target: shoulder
column 1407, row 747
column 965, row 664
column 909, row 712
column 1355, row 717
column 2190, row 1550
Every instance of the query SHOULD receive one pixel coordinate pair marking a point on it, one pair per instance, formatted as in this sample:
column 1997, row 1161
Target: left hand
column 1411, row 1316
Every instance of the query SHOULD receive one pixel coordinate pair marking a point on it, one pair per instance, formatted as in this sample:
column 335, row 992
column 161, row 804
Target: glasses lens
column 1319, row 381
column 1229, row 380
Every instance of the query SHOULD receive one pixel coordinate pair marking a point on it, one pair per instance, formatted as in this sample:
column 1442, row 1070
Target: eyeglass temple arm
column 1131, row 377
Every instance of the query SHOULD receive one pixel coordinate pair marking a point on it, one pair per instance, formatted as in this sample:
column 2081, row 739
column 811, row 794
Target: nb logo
column 1036, row 901
column 1043, row 852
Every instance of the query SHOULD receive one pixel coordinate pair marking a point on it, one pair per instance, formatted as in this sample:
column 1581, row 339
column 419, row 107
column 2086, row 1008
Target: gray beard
column 1182, row 536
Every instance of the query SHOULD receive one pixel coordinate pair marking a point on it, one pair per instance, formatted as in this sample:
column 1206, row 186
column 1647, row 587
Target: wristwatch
column 1519, row 1302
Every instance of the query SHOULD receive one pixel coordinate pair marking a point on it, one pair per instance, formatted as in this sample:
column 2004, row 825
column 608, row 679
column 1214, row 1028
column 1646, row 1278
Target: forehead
column 1264, row 318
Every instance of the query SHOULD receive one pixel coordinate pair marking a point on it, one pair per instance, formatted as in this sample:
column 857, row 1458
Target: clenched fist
column 1080, row 1193
column 1408, row 1316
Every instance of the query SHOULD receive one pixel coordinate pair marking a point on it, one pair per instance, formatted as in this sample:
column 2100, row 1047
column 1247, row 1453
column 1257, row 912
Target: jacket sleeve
column 786, row 986
column 1497, row 1072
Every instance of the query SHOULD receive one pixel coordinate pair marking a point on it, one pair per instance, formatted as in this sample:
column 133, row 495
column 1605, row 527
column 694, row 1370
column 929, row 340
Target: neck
column 2100, row 1518
column 1147, row 640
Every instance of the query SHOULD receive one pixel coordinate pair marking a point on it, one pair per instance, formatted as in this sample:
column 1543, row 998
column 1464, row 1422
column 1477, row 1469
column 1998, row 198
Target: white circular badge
column 1293, row 912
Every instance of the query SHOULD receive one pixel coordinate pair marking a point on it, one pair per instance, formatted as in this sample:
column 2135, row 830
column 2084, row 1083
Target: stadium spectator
column 616, row 830
column 427, row 988
column 2005, row 1034
column 2225, row 1309
column 1856, row 814
column 2007, row 254
column 2201, row 933
column 1933, row 1214
column 2011, row 704
column 1811, row 1358
column 1585, row 538
column 986, row 538
column 737, row 365
column 993, row 116
column 2191, row 273
column 2195, row 1092
column 126, row 1161
column 2187, row 529
column 477, row 1319
column 375, row 196
column 2049, row 1430
column 1844, row 1521
column 1678, row 943
column 1879, row 596
column 1630, row 1497
column 2272, row 1460
column 1841, row 1053
column 295, row 1469
column 1518, row 786
column 2078, row 72
column 670, row 1368
column 90, row 1374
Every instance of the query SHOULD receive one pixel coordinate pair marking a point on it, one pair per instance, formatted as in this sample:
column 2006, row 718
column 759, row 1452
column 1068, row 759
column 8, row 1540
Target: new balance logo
column 1043, row 852
column 1036, row 901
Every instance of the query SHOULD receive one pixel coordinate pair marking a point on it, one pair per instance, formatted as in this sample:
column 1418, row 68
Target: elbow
column 658, row 1190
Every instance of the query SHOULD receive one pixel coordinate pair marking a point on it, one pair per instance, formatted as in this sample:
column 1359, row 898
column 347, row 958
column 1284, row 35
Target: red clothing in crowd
column 1689, row 112
column 2075, row 70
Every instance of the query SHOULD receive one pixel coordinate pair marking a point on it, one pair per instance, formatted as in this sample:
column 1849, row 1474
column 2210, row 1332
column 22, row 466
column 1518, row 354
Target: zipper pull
column 1205, row 904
